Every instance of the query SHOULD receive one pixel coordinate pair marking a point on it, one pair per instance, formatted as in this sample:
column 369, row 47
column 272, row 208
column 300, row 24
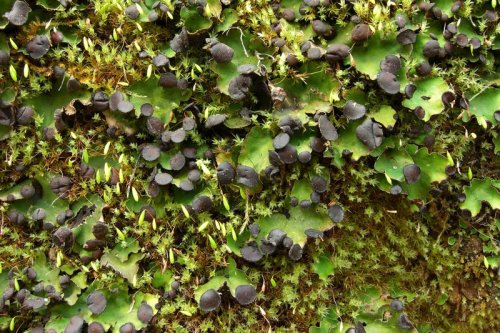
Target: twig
column 479, row 93
column 1, row 225
column 59, row 197
column 62, row 82
column 441, row 233
column 241, row 39
column 247, row 209
column 132, row 176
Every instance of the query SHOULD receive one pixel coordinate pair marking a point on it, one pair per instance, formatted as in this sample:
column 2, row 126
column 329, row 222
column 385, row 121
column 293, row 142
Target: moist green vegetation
column 249, row 166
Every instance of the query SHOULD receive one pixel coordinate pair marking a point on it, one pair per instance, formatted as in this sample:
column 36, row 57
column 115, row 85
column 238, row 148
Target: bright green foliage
column 485, row 104
column 432, row 166
column 118, row 310
column 302, row 189
column 255, row 149
column 194, row 21
column 481, row 190
column 428, row 96
column 231, row 276
column 384, row 115
column 164, row 101
column 367, row 57
column 377, row 316
column 348, row 140
column 295, row 225
column 323, row 267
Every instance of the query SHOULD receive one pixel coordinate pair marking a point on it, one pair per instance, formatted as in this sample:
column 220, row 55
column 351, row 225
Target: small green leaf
column 385, row 115
column 493, row 261
column 442, row 299
column 203, row 226
column 297, row 223
column 389, row 179
column 450, row 159
column 85, row 155
column 107, row 172
column 135, row 195
column 13, row 44
column 26, row 71
column 141, row 217
column 243, row 193
column 213, row 244
column 323, row 266
column 171, row 256
column 162, row 279
column 185, row 211
column 226, row 203
column 120, row 234
column 484, row 105
column 98, row 176
column 481, row 190
column 13, row 73
column 106, row 147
